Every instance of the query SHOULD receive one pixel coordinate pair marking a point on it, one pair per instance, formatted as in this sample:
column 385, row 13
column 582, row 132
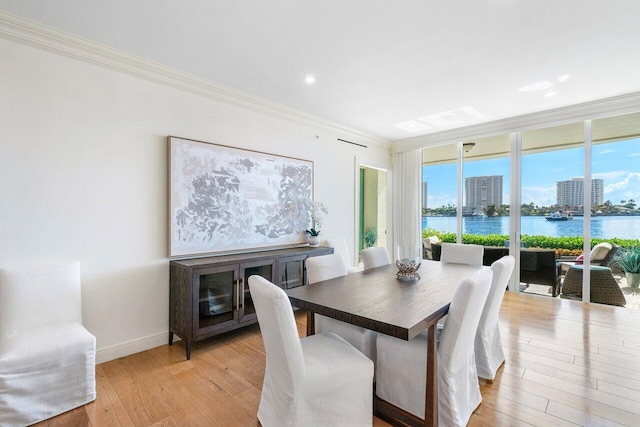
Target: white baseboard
column 112, row 352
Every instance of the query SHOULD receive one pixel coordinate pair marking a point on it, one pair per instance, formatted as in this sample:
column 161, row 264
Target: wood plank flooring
column 568, row 363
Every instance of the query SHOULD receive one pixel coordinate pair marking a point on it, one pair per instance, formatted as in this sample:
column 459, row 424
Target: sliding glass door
column 552, row 205
column 615, row 221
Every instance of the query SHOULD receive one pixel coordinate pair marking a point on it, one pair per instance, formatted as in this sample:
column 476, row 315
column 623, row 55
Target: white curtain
column 407, row 215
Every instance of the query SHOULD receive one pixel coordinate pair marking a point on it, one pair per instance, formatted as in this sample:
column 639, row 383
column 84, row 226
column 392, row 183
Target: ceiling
column 428, row 66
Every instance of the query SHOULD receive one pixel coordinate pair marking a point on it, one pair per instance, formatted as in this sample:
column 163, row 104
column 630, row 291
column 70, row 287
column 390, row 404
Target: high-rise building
column 481, row 191
column 570, row 193
column 424, row 195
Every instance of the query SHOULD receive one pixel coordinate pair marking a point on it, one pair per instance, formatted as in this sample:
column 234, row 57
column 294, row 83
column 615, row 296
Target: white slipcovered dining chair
column 488, row 343
column 340, row 247
column 462, row 254
column 327, row 267
column 47, row 358
column 401, row 366
column 320, row 380
column 375, row 257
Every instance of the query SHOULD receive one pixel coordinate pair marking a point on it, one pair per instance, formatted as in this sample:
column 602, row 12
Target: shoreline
column 601, row 227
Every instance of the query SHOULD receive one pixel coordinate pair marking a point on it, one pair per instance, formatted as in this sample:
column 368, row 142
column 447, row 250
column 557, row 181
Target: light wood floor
column 568, row 363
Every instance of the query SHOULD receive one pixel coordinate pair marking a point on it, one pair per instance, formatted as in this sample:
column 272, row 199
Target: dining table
column 375, row 299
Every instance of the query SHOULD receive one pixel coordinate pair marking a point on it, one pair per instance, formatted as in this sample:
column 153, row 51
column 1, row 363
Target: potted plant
column 370, row 237
column 317, row 209
column 313, row 239
column 629, row 262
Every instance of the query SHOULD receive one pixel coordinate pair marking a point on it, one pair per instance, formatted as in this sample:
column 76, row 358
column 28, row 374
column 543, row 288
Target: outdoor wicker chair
column 604, row 287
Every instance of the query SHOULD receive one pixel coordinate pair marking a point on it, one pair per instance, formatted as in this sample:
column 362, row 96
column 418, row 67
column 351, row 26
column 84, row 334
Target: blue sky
column 618, row 164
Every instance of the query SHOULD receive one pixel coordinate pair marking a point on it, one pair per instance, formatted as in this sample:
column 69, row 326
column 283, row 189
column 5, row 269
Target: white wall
column 83, row 175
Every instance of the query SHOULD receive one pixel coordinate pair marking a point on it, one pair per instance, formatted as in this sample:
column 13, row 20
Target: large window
column 440, row 188
column 485, row 208
column 467, row 190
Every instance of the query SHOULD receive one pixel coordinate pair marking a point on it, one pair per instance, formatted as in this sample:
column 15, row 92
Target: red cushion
column 580, row 259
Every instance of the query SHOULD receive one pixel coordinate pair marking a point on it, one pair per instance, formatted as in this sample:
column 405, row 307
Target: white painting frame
column 225, row 200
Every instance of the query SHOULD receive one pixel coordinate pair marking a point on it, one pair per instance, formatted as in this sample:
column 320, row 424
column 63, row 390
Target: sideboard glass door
column 291, row 270
column 265, row 268
column 217, row 298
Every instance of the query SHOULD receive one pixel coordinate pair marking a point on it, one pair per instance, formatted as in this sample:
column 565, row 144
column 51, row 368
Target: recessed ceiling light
column 310, row 79
column 536, row 86
column 563, row 78
column 550, row 94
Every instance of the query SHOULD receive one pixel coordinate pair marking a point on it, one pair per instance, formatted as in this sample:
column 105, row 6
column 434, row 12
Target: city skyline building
column 570, row 192
column 482, row 191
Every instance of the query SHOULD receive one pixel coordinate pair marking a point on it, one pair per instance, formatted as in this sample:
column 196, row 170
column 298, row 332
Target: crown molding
column 21, row 30
column 608, row 107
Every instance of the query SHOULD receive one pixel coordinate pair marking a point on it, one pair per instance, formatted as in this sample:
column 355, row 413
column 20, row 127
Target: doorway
column 373, row 184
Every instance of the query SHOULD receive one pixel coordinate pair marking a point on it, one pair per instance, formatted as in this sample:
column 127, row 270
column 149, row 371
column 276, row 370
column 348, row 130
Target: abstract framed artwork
column 226, row 200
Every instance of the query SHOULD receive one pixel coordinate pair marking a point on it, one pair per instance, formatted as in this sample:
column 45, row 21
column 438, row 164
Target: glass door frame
column 586, row 228
column 515, row 194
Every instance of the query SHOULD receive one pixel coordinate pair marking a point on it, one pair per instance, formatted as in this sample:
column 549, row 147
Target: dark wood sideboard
column 209, row 296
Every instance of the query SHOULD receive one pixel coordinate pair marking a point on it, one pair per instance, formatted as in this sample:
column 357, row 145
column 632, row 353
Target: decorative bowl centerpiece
column 408, row 261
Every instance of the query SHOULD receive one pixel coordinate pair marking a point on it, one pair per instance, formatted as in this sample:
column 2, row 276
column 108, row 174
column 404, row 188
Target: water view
column 604, row 227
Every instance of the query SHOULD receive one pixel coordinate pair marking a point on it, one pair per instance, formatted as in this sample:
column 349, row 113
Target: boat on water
column 558, row 216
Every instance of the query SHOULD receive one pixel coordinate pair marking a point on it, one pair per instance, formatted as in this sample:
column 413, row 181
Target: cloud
column 440, row 200
column 541, row 196
column 611, row 176
column 622, row 186
column 606, row 152
column 630, row 184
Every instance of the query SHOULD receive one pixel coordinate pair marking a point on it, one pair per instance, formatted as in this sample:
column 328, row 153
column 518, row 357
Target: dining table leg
column 431, row 394
column 311, row 323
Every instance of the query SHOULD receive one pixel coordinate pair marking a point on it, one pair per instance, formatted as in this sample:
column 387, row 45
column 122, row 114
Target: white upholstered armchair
column 47, row 358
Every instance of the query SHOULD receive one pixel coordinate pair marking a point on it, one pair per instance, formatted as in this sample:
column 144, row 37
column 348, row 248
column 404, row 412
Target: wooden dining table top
column 377, row 300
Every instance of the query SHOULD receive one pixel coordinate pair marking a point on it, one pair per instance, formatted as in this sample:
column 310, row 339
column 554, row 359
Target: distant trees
column 608, row 208
column 532, row 209
column 448, row 210
column 626, row 207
